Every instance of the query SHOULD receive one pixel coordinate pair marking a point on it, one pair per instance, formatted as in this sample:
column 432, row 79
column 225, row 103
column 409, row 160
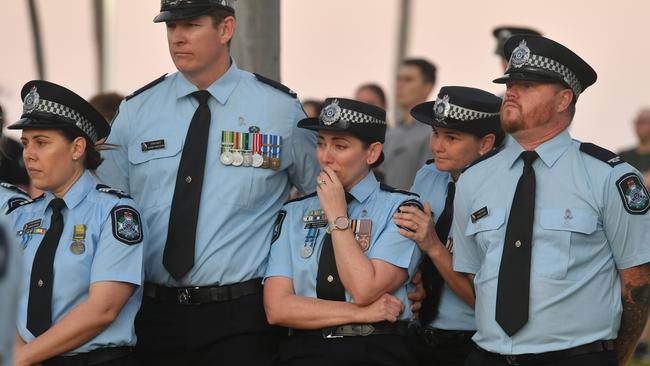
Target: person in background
column 639, row 157
column 82, row 242
column 371, row 93
column 107, row 104
column 312, row 107
column 466, row 126
column 407, row 142
column 12, row 167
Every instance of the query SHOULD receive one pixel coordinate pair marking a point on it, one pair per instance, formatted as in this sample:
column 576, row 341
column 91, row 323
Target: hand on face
column 331, row 194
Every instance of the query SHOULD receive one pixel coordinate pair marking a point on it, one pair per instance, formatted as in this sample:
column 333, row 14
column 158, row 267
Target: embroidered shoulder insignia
column 484, row 157
column 387, row 188
column 148, row 86
column 277, row 227
column 633, row 194
column 430, row 161
column 13, row 188
column 23, row 203
column 276, row 85
column 127, row 226
column 106, row 189
column 601, row 154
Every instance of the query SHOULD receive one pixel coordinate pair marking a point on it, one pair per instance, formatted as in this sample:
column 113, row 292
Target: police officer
column 339, row 270
column 466, row 126
column 82, row 241
column 552, row 230
column 210, row 153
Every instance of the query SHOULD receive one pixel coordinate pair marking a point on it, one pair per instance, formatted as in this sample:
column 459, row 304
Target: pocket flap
column 568, row 219
column 138, row 154
column 494, row 220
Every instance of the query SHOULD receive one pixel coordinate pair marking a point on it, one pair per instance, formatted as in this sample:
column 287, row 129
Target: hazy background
column 329, row 47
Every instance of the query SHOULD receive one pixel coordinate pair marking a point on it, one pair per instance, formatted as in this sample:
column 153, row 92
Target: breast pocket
column 489, row 233
column 552, row 246
column 154, row 169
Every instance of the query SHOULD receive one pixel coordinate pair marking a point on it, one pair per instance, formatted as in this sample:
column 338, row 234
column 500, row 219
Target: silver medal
column 306, row 251
column 226, row 158
column 258, row 160
column 237, row 159
column 77, row 247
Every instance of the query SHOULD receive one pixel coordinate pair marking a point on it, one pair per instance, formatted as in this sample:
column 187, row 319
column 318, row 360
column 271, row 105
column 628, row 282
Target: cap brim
column 314, row 125
column 36, row 124
column 179, row 14
column 530, row 76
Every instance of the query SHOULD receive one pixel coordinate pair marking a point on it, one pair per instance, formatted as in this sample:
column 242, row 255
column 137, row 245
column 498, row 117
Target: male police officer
column 210, row 153
column 558, row 233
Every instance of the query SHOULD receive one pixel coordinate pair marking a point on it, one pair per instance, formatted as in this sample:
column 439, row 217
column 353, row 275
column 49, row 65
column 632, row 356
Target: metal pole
column 400, row 53
column 36, row 34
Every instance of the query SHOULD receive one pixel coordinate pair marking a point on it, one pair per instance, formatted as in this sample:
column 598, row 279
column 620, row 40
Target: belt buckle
column 511, row 360
column 184, row 295
column 329, row 334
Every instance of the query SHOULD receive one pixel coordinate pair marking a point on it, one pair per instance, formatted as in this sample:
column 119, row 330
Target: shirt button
column 330, row 278
column 518, row 243
column 40, row 283
column 188, row 179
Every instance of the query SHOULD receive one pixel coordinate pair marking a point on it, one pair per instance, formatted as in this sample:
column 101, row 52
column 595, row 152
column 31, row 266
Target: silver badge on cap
column 331, row 113
column 31, row 101
column 520, row 55
column 441, row 108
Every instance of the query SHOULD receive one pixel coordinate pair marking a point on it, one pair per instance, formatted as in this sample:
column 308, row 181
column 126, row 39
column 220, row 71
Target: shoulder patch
column 13, row 188
column 24, row 203
column 148, row 86
column 601, row 154
column 276, row 85
column 106, row 189
column 387, row 188
column 484, row 157
column 430, row 161
column 409, row 202
column 277, row 227
column 301, row 198
column 127, row 226
column 633, row 194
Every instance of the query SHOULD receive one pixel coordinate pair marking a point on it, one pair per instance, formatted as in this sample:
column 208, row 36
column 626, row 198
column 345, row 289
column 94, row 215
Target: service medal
column 77, row 247
column 248, row 159
column 258, row 160
column 226, row 158
column 237, row 158
column 306, row 251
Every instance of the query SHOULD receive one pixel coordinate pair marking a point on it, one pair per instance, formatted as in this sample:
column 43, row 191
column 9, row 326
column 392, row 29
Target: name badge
column 152, row 145
column 481, row 213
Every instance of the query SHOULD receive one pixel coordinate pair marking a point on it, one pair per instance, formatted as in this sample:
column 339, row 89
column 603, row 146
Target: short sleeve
column 305, row 168
column 113, row 171
column 280, row 256
column 466, row 256
column 392, row 247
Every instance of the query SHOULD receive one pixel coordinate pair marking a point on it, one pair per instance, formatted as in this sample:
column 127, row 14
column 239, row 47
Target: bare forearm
column 301, row 312
column 636, row 301
column 457, row 282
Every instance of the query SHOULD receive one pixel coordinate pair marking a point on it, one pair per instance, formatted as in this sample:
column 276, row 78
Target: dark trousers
column 220, row 333
column 445, row 348
column 379, row 350
column 604, row 358
column 129, row 360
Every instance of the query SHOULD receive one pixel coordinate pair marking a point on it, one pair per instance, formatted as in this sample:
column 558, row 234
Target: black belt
column 202, row 295
column 434, row 336
column 355, row 330
column 93, row 357
column 548, row 357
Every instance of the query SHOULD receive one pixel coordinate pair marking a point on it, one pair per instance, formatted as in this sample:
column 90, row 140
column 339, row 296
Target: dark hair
column 377, row 90
column 316, row 104
column 92, row 158
column 218, row 15
column 107, row 104
column 427, row 69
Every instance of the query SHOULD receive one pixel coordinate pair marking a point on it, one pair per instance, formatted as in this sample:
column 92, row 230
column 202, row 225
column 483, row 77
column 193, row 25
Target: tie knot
column 57, row 204
column 529, row 157
column 202, row 96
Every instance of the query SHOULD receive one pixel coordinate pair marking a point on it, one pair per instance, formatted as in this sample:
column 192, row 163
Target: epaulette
column 601, row 154
column 387, row 188
column 24, row 203
column 12, row 187
column 106, row 189
column 148, row 86
column 430, row 161
column 276, row 85
column 484, row 157
column 301, row 198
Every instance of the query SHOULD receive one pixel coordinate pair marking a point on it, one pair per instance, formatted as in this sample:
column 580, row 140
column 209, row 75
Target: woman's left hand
column 421, row 224
column 331, row 194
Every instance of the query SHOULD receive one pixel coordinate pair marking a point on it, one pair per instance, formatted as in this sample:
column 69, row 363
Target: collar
column 221, row 89
column 549, row 152
column 362, row 190
column 76, row 193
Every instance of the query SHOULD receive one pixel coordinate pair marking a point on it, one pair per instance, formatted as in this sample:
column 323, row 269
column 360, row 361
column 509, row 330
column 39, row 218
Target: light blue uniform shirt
column 104, row 258
column 582, row 234
column 238, row 204
column 10, row 271
column 453, row 313
column 386, row 243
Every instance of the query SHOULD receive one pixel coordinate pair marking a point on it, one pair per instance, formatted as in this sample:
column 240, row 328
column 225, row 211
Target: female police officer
column 338, row 270
column 466, row 126
column 82, row 241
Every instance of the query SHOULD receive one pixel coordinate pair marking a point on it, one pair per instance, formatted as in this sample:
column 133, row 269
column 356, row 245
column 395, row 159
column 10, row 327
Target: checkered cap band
column 174, row 3
column 48, row 106
column 358, row 117
column 551, row 65
column 466, row 114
